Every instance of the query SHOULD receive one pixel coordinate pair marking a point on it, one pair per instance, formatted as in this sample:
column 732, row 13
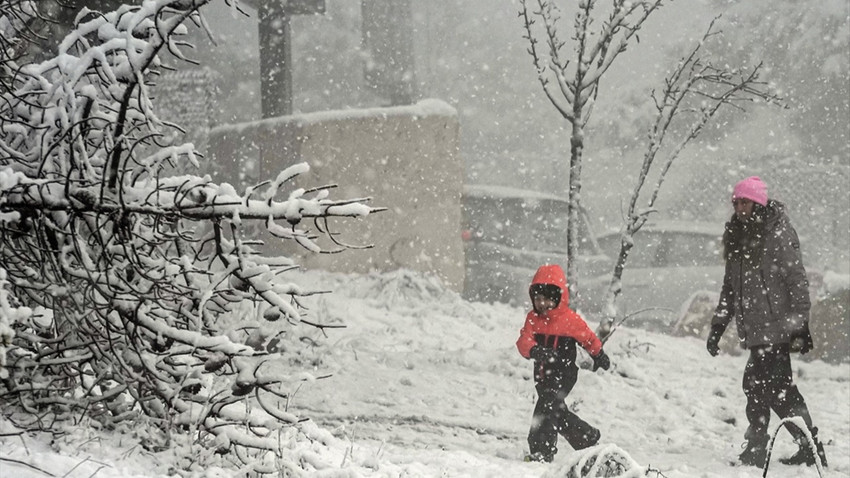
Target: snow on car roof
column 506, row 192
column 694, row 227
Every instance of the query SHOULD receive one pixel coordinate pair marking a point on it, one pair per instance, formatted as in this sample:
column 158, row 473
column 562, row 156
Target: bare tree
column 694, row 92
column 571, row 77
column 120, row 271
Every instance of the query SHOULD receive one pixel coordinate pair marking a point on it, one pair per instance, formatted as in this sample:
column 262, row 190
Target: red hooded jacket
column 555, row 327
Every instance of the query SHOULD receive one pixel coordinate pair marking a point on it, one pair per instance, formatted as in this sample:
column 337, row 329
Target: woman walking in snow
column 549, row 337
column 765, row 290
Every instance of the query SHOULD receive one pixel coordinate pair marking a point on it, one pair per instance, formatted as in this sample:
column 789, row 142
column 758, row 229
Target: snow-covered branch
column 695, row 91
column 577, row 77
column 624, row 23
column 119, row 277
column 562, row 105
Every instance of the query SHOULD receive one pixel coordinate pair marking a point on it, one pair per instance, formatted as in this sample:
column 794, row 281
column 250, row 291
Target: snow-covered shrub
column 601, row 461
column 135, row 263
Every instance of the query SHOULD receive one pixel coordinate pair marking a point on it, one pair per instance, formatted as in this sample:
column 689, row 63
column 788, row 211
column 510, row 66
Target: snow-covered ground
column 425, row 384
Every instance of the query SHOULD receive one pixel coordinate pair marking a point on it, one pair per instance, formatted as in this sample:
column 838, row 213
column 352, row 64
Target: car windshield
column 691, row 250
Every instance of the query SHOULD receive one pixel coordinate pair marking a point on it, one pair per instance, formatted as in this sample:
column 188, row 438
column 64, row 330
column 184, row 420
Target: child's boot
column 755, row 453
column 590, row 438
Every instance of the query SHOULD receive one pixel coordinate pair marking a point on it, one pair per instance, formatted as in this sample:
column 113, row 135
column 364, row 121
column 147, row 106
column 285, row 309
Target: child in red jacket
column 549, row 337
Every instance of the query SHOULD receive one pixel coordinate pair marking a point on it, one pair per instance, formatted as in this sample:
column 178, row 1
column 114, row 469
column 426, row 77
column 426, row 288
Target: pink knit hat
column 752, row 188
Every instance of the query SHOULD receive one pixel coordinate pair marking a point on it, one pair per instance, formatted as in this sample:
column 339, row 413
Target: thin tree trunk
column 573, row 220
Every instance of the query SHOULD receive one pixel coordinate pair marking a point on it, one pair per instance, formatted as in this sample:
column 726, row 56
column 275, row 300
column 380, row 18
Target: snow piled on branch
column 9, row 315
column 165, row 317
column 601, row 461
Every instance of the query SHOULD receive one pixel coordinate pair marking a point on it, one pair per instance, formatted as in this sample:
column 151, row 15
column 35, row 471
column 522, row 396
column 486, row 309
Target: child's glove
column 542, row 354
column 601, row 361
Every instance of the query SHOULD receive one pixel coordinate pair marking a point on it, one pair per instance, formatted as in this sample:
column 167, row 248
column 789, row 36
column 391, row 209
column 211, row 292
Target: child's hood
column 553, row 274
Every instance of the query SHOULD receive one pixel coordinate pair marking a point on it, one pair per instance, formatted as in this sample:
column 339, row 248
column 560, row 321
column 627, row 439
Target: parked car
column 670, row 263
column 830, row 323
column 508, row 233
column 829, row 319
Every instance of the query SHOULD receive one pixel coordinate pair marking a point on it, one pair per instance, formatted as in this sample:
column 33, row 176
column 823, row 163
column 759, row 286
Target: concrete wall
column 404, row 158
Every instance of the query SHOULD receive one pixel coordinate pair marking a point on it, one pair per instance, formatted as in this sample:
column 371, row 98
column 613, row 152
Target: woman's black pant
column 768, row 385
column 553, row 417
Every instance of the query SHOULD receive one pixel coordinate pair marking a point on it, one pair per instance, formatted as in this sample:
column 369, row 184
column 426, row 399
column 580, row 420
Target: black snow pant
column 768, row 385
column 552, row 417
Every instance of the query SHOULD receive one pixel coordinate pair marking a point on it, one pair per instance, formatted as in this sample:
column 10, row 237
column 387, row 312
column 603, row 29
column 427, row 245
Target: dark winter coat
column 559, row 329
column 765, row 287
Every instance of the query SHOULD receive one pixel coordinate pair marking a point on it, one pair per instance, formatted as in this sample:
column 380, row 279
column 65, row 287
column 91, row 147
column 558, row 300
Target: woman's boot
column 804, row 455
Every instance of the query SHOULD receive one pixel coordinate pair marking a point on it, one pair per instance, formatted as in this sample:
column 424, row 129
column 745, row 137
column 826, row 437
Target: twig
column 24, row 443
column 629, row 316
column 657, row 472
column 76, row 466
column 12, row 460
column 97, row 470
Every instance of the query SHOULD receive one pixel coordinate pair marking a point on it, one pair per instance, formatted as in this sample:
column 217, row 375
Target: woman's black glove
column 542, row 354
column 801, row 337
column 802, row 344
column 801, row 341
column 601, row 361
column 713, row 342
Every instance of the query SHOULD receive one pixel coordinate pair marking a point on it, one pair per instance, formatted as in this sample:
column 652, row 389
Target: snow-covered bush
column 601, row 461
column 133, row 264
